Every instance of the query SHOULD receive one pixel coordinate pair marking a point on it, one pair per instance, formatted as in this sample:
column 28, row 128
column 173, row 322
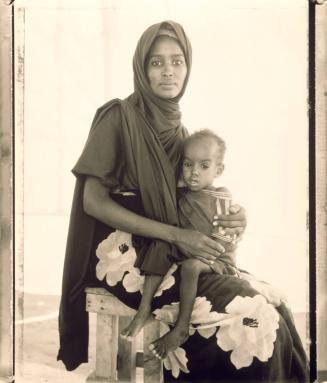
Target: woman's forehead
column 165, row 45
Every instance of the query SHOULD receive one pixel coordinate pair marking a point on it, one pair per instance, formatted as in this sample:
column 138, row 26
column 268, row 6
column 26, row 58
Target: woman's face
column 166, row 68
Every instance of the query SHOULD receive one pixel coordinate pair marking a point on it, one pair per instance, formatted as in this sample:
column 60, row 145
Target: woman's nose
column 167, row 71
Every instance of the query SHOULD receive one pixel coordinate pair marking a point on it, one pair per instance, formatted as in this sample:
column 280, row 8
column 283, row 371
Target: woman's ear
column 220, row 169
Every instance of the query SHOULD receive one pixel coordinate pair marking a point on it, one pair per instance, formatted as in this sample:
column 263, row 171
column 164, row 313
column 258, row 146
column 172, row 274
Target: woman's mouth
column 167, row 84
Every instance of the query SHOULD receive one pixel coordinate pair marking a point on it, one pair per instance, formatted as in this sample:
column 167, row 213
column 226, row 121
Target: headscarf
column 163, row 114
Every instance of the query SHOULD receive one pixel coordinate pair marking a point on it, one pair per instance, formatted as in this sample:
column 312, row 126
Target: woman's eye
column 178, row 62
column 187, row 165
column 156, row 63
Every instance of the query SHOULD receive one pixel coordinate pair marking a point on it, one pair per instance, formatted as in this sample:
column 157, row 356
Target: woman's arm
column 99, row 205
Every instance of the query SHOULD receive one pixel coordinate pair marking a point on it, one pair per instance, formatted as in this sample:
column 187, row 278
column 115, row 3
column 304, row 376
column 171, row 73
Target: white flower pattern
column 116, row 262
column 134, row 281
column 176, row 361
column 202, row 320
column 116, row 256
column 271, row 293
column 249, row 330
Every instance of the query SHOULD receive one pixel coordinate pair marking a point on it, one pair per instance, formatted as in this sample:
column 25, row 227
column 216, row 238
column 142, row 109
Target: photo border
column 11, row 118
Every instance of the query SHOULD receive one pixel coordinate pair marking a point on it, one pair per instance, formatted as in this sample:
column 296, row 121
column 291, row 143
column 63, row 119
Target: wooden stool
column 116, row 358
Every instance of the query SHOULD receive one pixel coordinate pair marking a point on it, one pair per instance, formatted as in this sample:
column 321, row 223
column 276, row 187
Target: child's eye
column 204, row 166
column 187, row 164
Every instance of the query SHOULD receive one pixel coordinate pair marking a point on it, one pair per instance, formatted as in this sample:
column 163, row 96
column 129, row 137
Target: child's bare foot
column 169, row 342
column 136, row 325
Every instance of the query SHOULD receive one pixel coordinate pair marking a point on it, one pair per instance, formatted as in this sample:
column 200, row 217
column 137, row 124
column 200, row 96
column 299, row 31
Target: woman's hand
column 233, row 224
column 99, row 205
column 194, row 244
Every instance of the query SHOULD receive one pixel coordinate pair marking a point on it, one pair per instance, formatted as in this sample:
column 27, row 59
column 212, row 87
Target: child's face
column 200, row 164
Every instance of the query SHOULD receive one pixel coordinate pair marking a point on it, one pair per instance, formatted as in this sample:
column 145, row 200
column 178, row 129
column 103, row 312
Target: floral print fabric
column 245, row 330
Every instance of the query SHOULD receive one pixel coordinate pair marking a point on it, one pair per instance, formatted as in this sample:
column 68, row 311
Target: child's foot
column 136, row 325
column 169, row 342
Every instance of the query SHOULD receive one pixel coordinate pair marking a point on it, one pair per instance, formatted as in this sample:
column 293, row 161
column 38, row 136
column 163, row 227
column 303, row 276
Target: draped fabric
column 241, row 329
column 136, row 142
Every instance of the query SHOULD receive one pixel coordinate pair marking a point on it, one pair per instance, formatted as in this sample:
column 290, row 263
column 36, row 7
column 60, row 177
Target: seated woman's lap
column 238, row 310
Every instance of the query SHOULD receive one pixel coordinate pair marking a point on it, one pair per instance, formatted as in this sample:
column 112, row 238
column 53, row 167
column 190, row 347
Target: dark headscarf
column 163, row 114
column 167, row 112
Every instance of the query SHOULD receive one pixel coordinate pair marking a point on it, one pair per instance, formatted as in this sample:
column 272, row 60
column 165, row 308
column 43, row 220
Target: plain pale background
column 248, row 83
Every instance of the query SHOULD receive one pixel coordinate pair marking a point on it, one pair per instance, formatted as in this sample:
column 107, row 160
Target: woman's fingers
column 205, row 260
column 193, row 244
column 214, row 245
column 230, row 247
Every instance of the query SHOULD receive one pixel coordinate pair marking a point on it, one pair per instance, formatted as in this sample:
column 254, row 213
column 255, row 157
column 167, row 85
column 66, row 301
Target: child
column 202, row 164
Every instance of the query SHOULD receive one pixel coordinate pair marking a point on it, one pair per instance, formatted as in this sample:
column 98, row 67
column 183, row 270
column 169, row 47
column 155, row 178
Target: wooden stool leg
column 152, row 365
column 106, row 349
column 126, row 354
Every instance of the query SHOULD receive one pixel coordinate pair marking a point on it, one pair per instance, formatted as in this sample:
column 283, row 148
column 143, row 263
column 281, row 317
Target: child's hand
column 233, row 223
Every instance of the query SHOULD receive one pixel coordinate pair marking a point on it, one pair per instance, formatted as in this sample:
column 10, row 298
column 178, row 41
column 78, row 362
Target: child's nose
column 195, row 170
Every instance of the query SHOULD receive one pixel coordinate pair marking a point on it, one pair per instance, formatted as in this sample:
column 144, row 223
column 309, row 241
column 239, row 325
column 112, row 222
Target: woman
column 126, row 181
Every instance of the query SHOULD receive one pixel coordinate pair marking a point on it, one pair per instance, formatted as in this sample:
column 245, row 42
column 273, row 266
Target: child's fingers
column 232, row 231
column 234, row 209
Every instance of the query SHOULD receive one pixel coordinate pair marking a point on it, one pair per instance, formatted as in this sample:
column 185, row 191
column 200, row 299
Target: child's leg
column 190, row 272
column 151, row 284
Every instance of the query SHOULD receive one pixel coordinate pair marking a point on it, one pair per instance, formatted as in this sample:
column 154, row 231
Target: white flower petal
column 191, row 331
column 167, row 364
column 116, row 256
column 112, row 277
column 249, row 331
column 176, row 361
column 241, row 358
column 233, row 306
column 207, row 332
column 201, row 308
column 101, row 270
column 165, row 285
column 167, row 313
column 224, row 340
column 133, row 281
column 264, row 350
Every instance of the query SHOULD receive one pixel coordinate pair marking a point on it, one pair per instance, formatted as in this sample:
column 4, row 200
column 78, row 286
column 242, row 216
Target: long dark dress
column 240, row 330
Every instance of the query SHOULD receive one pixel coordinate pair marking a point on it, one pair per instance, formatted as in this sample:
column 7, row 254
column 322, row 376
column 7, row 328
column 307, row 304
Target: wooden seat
column 116, row 358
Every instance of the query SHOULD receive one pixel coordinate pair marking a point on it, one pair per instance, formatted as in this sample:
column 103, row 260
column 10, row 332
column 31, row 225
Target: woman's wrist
column 172, row 234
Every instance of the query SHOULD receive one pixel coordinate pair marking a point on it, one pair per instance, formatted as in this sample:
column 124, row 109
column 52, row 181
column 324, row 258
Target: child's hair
column 207, row 133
